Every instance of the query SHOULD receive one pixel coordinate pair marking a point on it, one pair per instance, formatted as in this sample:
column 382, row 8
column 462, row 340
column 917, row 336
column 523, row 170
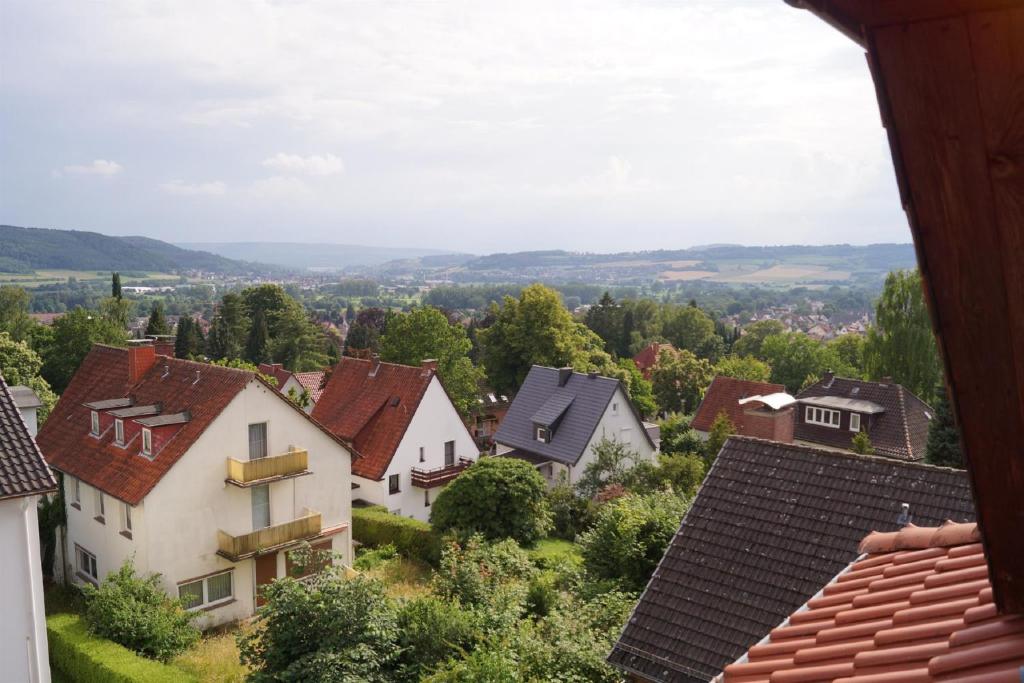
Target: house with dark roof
column 759, row 409
column 832, row 410
column 770, row 525
column 404, row 424
column 647, row 358
column 204, row 474
column 917, row 605
column 559, row 416
column 24, row 479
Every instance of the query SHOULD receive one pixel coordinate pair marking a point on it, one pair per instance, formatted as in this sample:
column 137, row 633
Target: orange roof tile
column 917, row 607
column 313, row 382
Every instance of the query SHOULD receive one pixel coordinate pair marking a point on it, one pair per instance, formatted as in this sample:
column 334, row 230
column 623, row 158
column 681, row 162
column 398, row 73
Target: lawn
column 550, row 551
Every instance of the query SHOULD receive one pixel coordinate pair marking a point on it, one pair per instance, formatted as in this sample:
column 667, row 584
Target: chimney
column 563, row 376
column 429, row 366
column 374, row 364
column 827, row 377
column 164, row 344
column 141, row 357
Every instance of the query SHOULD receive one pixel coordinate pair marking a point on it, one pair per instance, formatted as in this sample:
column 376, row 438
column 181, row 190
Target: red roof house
column 648, row 357
column 750, row 418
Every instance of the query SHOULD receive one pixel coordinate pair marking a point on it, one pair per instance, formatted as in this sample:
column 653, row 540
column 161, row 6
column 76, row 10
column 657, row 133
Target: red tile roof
column 648, row 357
column 371, row 410
column 277, row 371
column 313, row 382
column 724, row 394
column 917, row 608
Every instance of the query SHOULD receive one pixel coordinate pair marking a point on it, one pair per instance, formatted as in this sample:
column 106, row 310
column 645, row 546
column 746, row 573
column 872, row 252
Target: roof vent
column 563, row 376
column 196, row 380
column 374, row 364
column 395, row 401
column 167, row 371
column 904, row 518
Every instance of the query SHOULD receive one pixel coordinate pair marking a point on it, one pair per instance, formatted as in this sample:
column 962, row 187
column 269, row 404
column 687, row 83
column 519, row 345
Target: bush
column 496, row 497
column 370, row 559
column 375, row 526
column 432, row 631
column 135, row 612
column 81, row 656
column 470, row 572
column 568, row 511
column 611, row 464
column 630, row 536
column 681, row 473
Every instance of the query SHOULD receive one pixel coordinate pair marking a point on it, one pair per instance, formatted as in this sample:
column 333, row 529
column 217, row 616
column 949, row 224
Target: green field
column 51, row 277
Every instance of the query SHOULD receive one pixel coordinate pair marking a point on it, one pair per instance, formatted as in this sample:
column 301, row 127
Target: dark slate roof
column 771, row 524
column 589, row 396
column 23, row 472
column 553, row 409
column 901, row 431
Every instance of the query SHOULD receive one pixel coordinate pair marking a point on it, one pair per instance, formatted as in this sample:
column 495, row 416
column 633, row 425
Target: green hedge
column 84, row 658
column 374, row 526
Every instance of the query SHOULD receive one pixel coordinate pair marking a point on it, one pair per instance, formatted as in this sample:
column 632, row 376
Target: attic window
column 119, row 431
column 822, row 416
column 147, row 441
column 95, row 424
column 543, row 434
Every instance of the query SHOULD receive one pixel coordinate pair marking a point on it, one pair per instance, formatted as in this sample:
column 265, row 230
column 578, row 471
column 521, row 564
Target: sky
column 478, row 126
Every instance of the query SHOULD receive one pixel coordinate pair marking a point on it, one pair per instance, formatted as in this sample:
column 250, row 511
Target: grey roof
column 24, row 397
column 840, row 403
column 160, row 420
column 589, row 395
column 23, row 472
column 771, row 524
column 136, row 411
column 109, row 403
column 553, row 409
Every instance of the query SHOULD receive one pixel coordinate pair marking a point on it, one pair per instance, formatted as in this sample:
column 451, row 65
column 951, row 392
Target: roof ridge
column 912, row 537
column 850, row 455
column 904, row 421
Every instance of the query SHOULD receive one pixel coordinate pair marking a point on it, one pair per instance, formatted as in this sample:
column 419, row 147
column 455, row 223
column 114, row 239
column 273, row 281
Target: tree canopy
column 679, row 380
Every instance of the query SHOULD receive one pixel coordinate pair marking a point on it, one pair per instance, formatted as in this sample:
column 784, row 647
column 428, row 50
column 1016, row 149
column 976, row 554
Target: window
column 95, row 423
column 423, row 457
column 822, row 416
column 426, row 498
column 126, row 520
column 542, row 434
column 449, row 453
column 854, row 422
column 119, row 431
column 100, row 512
column 207, row 592
column 147, row 441
column 615, row 409
column 258, row 441
column 76, row 493
column 260, row 507
column 85, row 562
column 393, row 484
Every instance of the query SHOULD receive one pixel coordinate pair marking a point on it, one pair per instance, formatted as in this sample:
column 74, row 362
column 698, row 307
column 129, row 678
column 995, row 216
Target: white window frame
column 94, row 423
column 76, row 492
column 205, row 602
column 126, row 519
column 101, row 507
column 90, row 570
column 854, row 417
column 119, row 431
column 147, row 441
column 823, row 417
column 542, row 434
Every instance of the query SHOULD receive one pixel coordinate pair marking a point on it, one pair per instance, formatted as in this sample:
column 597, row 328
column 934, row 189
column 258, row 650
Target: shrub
column 375, row 527
column 681, row 473
column 861, row 443
column 721, row 429
column 542, row 595
column 471, row 571
column 630, row 535
column 81, row 656
column 568, row 511
column 612, row 461
column 432, row 631
column 135, row 612
column 678, row 437
column 497, row 497
column 375, row 557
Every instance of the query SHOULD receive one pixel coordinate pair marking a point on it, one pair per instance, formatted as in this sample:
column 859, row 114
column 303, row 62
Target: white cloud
column 281, row 188
column 183, row 189
column 100, row 167
column 326, row 164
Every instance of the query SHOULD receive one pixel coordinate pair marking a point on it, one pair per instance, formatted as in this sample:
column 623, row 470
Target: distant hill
column 314, row 256
column 27, row 249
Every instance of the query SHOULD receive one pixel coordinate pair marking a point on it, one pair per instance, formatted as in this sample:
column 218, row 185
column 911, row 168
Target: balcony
column 237, row 548
column 439, row 476
column 246, row 473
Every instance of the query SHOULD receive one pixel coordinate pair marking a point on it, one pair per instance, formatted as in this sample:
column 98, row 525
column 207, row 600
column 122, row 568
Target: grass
column 214, row 658
column 550, row 551
column 404, row 578
column 61, row 599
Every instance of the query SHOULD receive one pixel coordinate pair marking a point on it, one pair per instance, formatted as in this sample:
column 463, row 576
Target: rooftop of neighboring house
column 313, row 382
column 277, row 371
column 176, row 399
column 770, row 525
column 724, row 394
column 648, row 356
column 916, row 606
column 372, row 403
column 25, row 397
column 23, row 472
column 569, row 405
column 895, row 420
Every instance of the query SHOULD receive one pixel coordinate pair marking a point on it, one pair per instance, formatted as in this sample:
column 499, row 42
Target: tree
column 612, row 459
column 21, row 365
column 425, row 333
column 536, row 329
column 14, row 317
column 849, row 348
column 157, row 324
column 677, row 437
column 296, row 342
column 606, row 320
column 115, row 285
column 749, row 344
column 497, row 497
column 943, row 447
column 188, row 341
column 679, row 379
column 794, row 357
column 350, row 313
column 688, row 328
column 721, row 429
column 256, row 346
column 900, row 344
column 861, row 443
column 74, row 334
column 744, row 367
column 229, row 329
column 639, row 390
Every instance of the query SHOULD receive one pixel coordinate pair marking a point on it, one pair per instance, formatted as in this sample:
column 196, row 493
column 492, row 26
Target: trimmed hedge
column 84, row 658
column 374, row 526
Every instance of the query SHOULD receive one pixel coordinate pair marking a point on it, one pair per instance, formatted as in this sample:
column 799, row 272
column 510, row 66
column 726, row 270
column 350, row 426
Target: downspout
column 30, row 651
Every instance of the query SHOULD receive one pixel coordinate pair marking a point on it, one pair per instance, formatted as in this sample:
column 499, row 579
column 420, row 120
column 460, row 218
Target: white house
column 205, row 475
column 24, row 478
column 401, row 421
column 559, row 416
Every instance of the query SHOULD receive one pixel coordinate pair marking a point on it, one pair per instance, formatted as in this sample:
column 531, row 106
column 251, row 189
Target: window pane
column 218, row 587
column 258, row 441
column 260, row 506
column 191, row 594
column 449, row 453
column 393, row 483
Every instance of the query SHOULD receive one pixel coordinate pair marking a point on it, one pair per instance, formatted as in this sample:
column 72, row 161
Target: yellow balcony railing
column 243, row 472
column 237, row 548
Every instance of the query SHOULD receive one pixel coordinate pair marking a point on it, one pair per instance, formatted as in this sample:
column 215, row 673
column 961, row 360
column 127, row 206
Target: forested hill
column 26, row 249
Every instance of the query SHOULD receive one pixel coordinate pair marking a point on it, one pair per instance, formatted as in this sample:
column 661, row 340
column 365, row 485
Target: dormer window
column 95, row 424
column 147, row 441
column 822, row 416
column 854, row 422
column 543, row 434
column 119, row 431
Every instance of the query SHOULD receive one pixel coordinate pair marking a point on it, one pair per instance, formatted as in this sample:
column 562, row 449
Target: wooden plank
column 942, row 139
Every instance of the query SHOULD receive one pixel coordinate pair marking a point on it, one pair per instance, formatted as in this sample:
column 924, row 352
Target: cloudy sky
column 480, row 126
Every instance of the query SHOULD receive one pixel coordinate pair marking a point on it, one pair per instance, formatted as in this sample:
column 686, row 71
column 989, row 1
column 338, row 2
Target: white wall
column 435, row 422
column 104, row 540
column 618, row 423
column 31, row 421
column 23, row 648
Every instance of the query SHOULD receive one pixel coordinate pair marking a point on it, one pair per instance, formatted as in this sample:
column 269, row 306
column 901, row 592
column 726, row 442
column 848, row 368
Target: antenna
column 904, row 517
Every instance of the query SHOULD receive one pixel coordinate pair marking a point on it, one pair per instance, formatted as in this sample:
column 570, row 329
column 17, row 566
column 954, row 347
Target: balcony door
column 260, row 507
column 449, row 453
column 258, row 441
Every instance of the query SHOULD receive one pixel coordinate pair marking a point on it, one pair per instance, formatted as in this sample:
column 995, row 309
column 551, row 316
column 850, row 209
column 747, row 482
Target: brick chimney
column 563, row 376
column 141, row 357
column 429, row 366
column 762, row 422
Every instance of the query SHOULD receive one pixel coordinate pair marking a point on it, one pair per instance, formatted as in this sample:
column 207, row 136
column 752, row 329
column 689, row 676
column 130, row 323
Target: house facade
column 203, row 474
column 402, row 421
column 559, row 416
column 24, row 479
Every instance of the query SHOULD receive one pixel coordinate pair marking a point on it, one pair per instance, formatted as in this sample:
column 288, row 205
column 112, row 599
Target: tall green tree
column 679, row 380
column 21, row 365
column 115, row 285
column 850, row 349
column 425, row 333
column 74, row 334
column 14, row 317
column 750, row 343
column 606, row 320
column 157, row 324
column 257, row 345
column 296, row 342
column 744, row 367
column 900, row 344
column 943, row 447
column 794, row 358
column 721, row 429
column 689, row 328
column 229, row 329
column 188, row 340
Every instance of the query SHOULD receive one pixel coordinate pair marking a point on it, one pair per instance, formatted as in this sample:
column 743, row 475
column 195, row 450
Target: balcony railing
column 439, row 476
column 246, row 472
column 237, row 548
